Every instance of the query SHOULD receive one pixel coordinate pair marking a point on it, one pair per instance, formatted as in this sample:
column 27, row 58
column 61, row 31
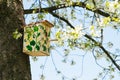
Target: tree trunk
column 14, row 65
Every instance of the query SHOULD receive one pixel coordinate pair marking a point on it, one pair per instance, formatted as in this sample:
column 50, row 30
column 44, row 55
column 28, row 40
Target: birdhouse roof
column 43, row 22
column 47, row 23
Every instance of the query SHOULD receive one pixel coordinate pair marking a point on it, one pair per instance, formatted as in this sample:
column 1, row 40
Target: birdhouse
column 36, row 41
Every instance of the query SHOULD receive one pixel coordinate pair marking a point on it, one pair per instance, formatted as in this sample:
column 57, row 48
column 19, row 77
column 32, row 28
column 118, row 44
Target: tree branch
column 75, row 4
column 105, row 51
column 90, row 38
column 60, row 6
column 63, row 19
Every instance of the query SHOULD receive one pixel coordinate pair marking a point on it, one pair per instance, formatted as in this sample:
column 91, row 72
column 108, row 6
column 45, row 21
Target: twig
column 105, row 74
column 101, row 36
column 57, row 69
column 44, row 64
column 61, row 18
column 96, row 60
column 76, row 4
column 90, row 38
column 60, row 6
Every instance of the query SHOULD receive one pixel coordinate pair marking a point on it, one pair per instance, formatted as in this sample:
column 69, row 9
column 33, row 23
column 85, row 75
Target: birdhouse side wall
column 36, row 39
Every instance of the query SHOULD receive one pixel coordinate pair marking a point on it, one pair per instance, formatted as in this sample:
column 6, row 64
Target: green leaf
column 58, row 72
column 41, row 27
column 37, row 47
column 34, row 35
column 47, row 39
column 42, row 77
column 38, row 43
column 34, row 58
column 38, row 34
column 17, row 34
column 48, row 49
column 40, row 16
column 28, row 30
column 73, row 62
column 48, row 34
column 35, row 28
column 28, row 36
column 44, row 48
column 29, row 47
column 32, row 43
column 45, row 33
column 45, row 42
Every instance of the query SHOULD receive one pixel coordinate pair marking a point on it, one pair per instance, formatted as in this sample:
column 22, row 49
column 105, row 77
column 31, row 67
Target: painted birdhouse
column 36, row 41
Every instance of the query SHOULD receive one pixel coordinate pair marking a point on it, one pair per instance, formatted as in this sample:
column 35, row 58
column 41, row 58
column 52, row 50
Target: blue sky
column 88, row 71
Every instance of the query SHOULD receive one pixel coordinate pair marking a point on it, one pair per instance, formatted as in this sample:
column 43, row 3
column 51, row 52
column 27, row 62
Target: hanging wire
column 39, row 5
column 40, row 2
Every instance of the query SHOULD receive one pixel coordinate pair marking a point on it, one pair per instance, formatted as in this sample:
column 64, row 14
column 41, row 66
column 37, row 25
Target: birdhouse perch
column 36, row 41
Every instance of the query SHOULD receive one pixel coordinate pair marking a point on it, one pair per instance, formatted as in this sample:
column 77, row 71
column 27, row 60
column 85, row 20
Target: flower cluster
column 69, row 34
column 112, row 6
column 94, row 32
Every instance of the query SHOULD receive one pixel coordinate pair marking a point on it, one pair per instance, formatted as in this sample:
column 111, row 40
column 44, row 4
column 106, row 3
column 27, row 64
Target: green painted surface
column 36, row 38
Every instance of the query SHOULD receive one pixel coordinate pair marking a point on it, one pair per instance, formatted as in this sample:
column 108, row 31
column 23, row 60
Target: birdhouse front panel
column 37, row 39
